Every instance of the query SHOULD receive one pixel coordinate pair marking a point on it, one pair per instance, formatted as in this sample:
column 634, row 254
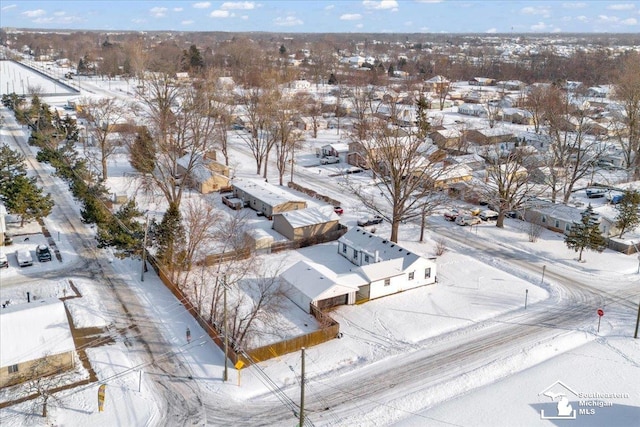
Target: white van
column 24, row 258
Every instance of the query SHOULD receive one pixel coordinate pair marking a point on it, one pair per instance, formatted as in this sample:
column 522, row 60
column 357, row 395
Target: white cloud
column 178, row 9
column 582, row 18
column 187, row 22
column 288, row 21
column 202, row 5
column 360, row 26
column 540, row 26
column 60, row 13
column 158, row 12
column 329, row 7
column 607, row 18
column 350, row 17
column 629, row 21
column 138, row 21
column 622, row 6
column 536, row 11
column 9, row 6
column 383, row 4
column 220, row 14
column 34, row 13
column 239, row 5
column 574, row 5
column 492, row 31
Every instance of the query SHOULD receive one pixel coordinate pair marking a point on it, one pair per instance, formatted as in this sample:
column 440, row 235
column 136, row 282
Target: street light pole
column 637, row 322
column 226, row 331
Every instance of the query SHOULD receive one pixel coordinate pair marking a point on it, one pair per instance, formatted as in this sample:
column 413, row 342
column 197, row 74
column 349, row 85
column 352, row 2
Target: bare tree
column 405, row 175
column 287, row 136
column 507, row 185
column 104, row 115
column 182, row 124
column 537, row 102
column 627, row 93
column 42, row 379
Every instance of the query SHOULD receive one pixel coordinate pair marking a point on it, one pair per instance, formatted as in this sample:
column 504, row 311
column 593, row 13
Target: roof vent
column 384, row 241
column 393, row 245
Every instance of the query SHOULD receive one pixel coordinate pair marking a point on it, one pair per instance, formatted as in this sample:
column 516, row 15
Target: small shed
column 306, row 223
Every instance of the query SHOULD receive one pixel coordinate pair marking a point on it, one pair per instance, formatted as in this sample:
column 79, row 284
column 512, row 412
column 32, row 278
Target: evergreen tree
column 391, row 70
column 24, row 198
column 142, row 151
column 422, row 120
column 192, row 59
column 628, row 218
column 170, row 237
column 283, row 50
column 123, row 232
column 11, row 166
column 332, row 79
column 586, row 234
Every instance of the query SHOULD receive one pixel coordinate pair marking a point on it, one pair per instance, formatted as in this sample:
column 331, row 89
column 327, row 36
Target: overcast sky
column 368, row 16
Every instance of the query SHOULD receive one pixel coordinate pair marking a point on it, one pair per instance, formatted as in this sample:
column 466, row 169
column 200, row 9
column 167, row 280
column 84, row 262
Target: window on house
column 387, row 282
column 355, row 253
column 411, row 275
column 344, row 248
column 13, row 369
column 567, row 227
column 543, row 219
column 427, row 273
column 366, row 258
column 557, row 224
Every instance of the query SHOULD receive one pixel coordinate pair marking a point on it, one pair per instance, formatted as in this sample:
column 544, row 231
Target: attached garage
column 309, row 283
column 306, row 223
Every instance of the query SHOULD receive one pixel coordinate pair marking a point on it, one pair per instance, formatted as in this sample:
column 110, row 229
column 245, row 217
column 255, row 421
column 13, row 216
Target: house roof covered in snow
column 33, row 331
column 377, row 247
column 317, row 281
column 310, row 216
column 264, row 191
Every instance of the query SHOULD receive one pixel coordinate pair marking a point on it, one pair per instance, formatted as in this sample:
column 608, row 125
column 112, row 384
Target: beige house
column 265, row 198
column 35, row 341
column 306, row 223
column 206, row 175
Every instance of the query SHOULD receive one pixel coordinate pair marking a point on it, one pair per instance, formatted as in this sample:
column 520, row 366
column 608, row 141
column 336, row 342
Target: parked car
column 594, row 193
column 468, row 220
column 451, row 215
column 4, row 261
column 329, row 159
column 363, row 222
column 24, row 258
column 43, row 253
column 488, row 215
column 338, row 210
column 475, row 211
column 614, row 197
column 605, row 164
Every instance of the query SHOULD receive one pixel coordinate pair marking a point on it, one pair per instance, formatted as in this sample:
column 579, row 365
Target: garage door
column 332, row 302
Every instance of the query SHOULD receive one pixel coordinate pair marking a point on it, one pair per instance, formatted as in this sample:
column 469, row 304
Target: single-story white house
column 36, row 341
column 266, row 198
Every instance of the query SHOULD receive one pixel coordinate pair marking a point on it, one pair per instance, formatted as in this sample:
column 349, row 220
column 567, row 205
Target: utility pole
column 226, row 331
column 144, row 248
column 637, row 322
column 544, row 267
column 302, row 391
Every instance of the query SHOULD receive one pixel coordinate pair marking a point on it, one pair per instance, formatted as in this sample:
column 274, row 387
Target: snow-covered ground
column 474, row 290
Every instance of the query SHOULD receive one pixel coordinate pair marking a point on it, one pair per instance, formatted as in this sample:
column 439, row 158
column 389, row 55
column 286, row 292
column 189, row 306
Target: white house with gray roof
column 387, row 267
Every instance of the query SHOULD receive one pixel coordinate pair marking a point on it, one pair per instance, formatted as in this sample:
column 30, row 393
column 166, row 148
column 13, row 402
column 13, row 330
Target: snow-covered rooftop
column 310, row 216
column 34, row 330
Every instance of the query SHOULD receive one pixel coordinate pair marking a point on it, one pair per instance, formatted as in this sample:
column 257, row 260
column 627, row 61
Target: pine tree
column 142, row 151
column 586, row 234
column 24, row 198
column 170, row 237
column 628, row 218
column 11, row 166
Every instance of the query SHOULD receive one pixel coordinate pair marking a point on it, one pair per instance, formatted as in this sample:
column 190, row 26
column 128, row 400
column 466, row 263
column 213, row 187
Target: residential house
column 447, row 175
column 511, row 85
column 336, row 149
column 559, row 217
column 387, row 267
column 447, row 138
column 306, row 223
column 206, row 175
column 437, row 84
column 36, row 341
column 488, row 136
column 475, row 110
column 482, row 81
column 265, row 198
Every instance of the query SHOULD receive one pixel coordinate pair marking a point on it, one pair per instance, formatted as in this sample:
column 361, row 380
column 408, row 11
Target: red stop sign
column 600, row 312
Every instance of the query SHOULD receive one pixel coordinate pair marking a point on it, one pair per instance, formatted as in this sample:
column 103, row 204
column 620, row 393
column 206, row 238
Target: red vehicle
column 338, row 210
column 451, row 215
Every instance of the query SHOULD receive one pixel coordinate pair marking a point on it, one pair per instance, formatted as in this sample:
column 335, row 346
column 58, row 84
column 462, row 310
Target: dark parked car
column 370, row 221
column 594, row 193
column 43, row 253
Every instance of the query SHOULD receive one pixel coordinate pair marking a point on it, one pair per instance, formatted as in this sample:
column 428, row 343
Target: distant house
column 336, row 149
column 447, row 138
column 387, row 267
column 488, row 136
column 482, row 81
column 182, row 77
column 437, row 83
column 475, row 110
column 300, row 84
column 511, row 85
column 36, row 341
column 559, row 217
column 266, row 198
column 306, row 223
column 602, row 91
column 446, row 176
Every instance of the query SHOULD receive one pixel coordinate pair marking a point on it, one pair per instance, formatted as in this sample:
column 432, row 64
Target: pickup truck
column 329, row 159
column 24, row 258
